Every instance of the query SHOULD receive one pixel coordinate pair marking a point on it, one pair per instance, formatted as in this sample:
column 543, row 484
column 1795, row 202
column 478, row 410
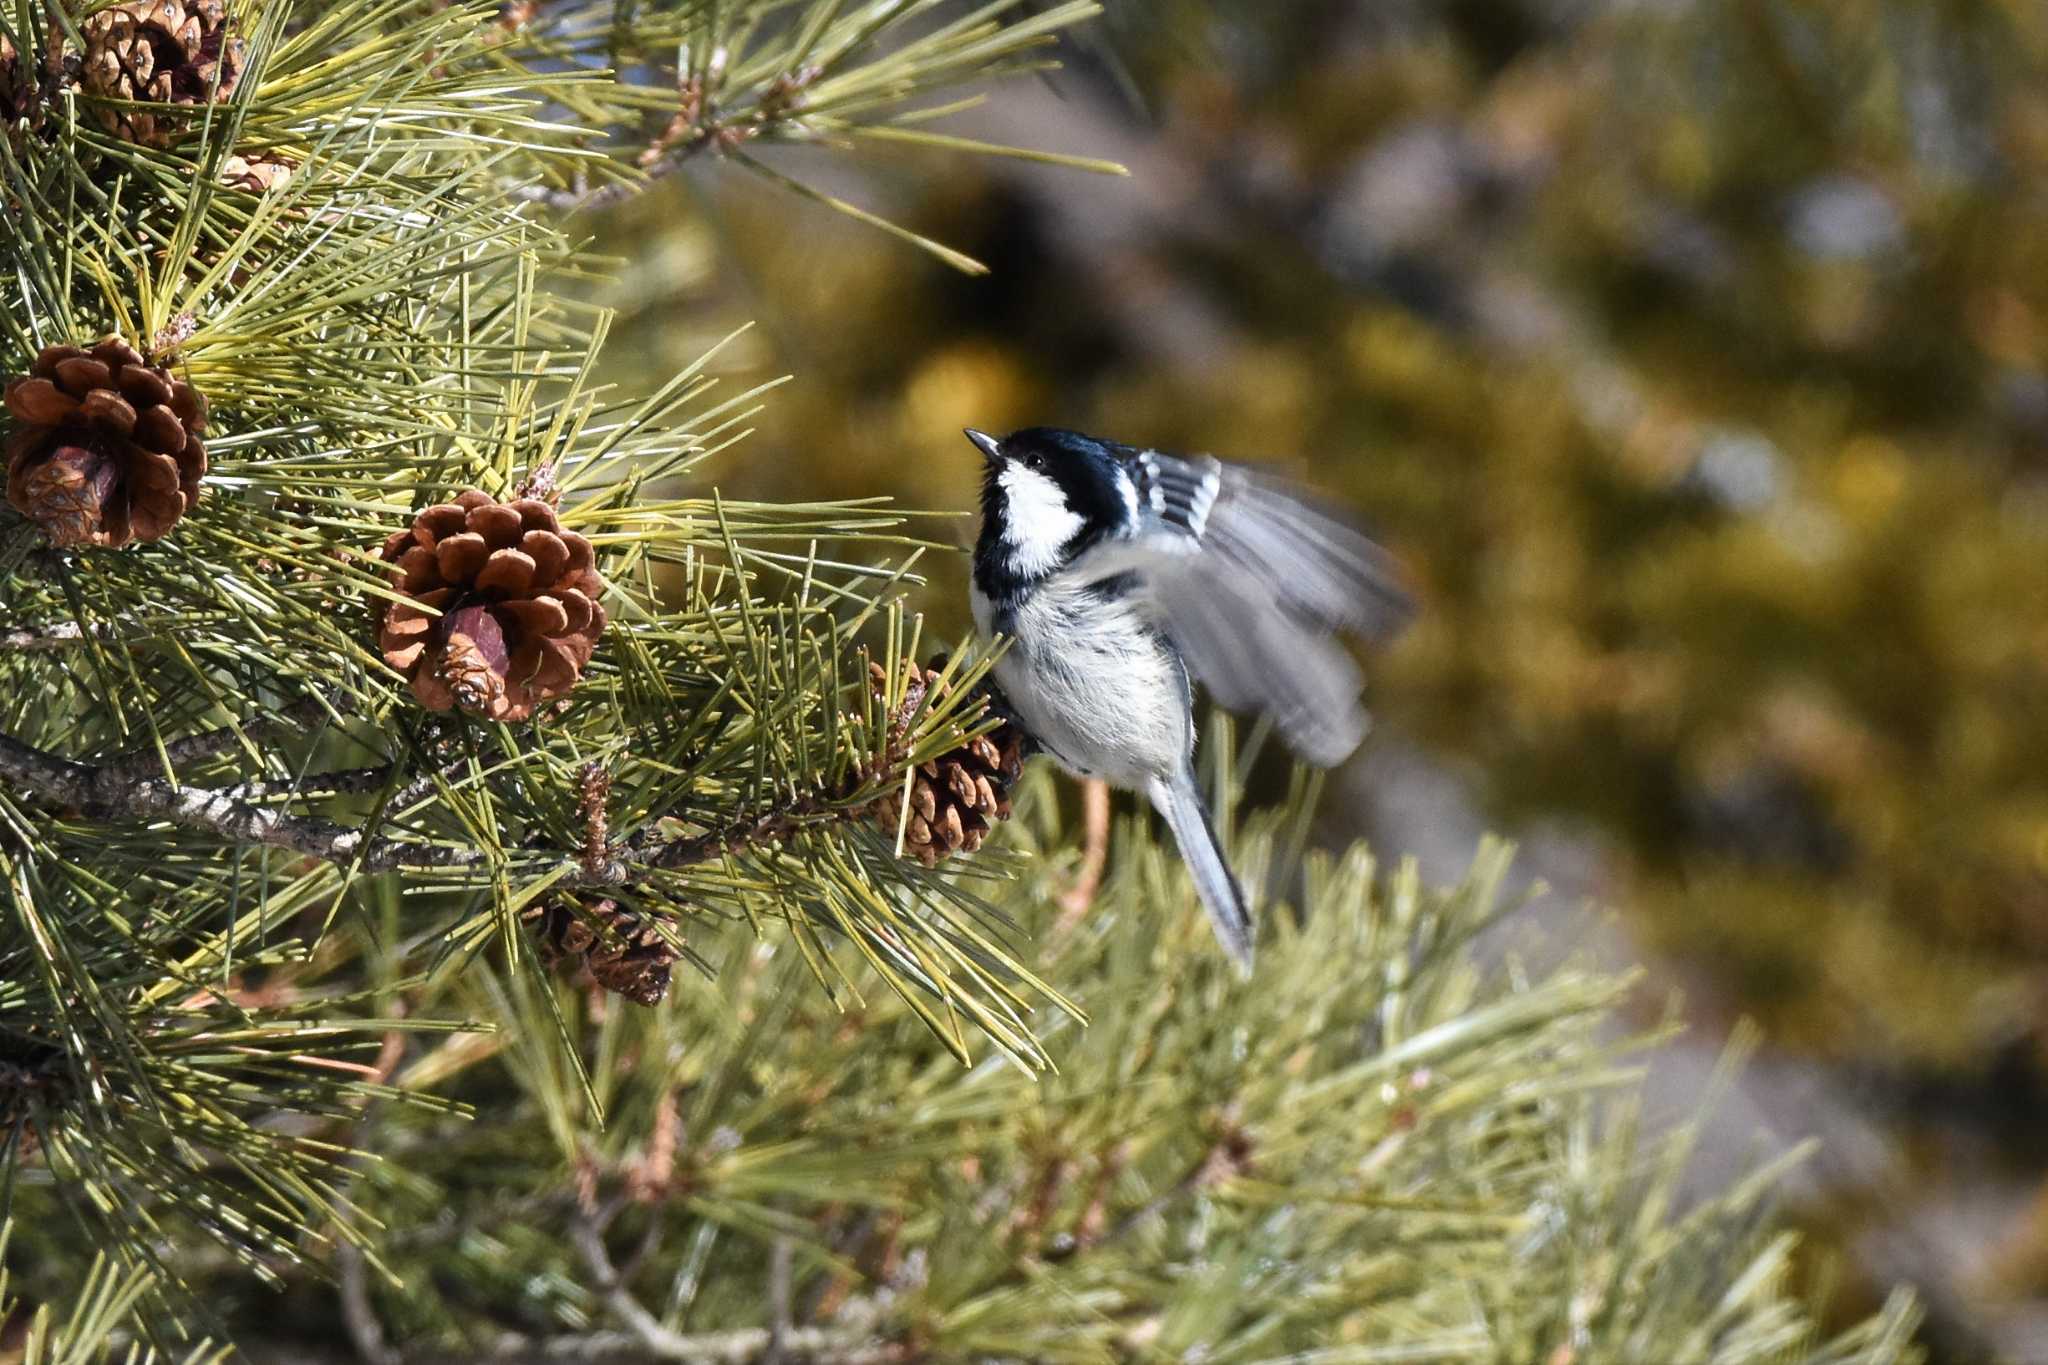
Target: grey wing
column 1253, row 582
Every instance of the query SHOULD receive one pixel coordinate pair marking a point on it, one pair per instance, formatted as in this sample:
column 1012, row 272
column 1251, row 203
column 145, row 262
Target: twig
column 1228, row 1155
column 853, row 1342
column 580, row 199
column 695, row 127
column 781, row 1259
column 358, row 1314
column 662, row 159
column 127, row 788
column 1074, row 902
column 343, row 781
column 195, row 749
column 62, row 635
column 590, row 809
column 417, row 790
column 742, row 1346
column 772, row 826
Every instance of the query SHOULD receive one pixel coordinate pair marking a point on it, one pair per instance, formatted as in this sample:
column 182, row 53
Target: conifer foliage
column 388, row 704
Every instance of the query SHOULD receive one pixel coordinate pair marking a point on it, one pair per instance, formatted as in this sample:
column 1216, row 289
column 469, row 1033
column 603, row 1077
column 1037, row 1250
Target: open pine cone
column 519, row 606
column 160, row 52
column 956, row 798
column 622, row 953
column 105, row 448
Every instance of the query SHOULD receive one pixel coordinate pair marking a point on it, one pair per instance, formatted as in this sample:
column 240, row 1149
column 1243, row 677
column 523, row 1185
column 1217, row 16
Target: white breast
column 1093, row 683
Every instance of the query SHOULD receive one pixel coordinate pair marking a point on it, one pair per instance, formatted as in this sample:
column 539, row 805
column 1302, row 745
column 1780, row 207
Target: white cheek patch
column 1040, row 521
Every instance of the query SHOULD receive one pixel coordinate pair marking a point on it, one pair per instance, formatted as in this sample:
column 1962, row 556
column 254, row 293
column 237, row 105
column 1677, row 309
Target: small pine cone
column 170, row 52
column 519, row 603
column 622, row 953
column 956, row 798
column 105, row 448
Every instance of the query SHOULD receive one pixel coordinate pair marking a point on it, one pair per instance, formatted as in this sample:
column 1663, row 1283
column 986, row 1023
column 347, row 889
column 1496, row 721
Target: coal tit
column 1116, row 573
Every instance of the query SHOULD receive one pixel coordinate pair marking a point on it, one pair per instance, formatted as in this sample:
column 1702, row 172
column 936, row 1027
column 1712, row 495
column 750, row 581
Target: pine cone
column 162, row 52
column 956, row 798
column 519, row 603
column 106, row 446
column 622, row 953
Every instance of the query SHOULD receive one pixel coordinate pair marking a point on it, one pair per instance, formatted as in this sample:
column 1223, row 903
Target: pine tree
column 464, row 875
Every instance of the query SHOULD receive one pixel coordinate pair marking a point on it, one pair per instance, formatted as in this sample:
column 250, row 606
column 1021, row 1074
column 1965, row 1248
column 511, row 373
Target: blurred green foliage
column 1377, row 1150
column 1695, row 358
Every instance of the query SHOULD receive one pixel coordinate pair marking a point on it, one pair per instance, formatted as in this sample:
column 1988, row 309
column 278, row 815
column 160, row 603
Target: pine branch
column 834, row 76
column 129, row 789
column 62, row 635
column 346, row 781
column 668, row 153
column 195, row 749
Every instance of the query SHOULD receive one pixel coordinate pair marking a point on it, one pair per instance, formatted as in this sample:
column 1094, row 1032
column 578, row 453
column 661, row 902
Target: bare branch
column 1076, row 899
column 852, row 1342
column 358, row 1314
column 62, row 635
column 780, row 1327
column 340, row 782
column 194, row 749
column 743, row 1346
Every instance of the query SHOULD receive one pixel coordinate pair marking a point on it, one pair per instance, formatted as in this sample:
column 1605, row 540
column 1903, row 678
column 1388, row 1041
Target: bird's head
column 1046, row 495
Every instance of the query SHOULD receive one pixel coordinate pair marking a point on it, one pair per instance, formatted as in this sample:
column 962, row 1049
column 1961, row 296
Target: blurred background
column 1693, row 355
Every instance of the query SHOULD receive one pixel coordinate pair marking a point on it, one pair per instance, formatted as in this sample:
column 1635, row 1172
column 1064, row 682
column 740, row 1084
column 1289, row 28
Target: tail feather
column 1180, row 801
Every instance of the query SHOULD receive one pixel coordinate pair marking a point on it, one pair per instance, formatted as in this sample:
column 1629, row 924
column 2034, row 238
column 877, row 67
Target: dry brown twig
column 1076, row 899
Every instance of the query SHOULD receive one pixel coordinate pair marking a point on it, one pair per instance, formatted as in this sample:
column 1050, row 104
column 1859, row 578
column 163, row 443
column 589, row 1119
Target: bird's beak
column 988, row 445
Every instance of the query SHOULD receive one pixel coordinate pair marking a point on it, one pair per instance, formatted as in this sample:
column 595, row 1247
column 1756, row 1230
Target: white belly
column 1093, row 685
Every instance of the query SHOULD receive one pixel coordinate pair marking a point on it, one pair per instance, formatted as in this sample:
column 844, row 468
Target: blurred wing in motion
column 1252, row 581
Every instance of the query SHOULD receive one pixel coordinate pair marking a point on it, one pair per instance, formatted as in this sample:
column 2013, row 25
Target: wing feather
column 1253, row 581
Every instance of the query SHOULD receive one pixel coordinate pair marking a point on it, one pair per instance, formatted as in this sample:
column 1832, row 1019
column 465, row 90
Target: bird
column 1115, row 578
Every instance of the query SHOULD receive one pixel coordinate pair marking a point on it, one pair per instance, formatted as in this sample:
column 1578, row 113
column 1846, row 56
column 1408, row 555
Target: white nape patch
column 1040, row 522
column 1155, row 490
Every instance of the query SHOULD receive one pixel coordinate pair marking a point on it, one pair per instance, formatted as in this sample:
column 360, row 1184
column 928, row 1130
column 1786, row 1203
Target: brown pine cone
column 956, row 798
column 519, row 603
column 105, row 448
column 623, row 954
column 174, row 52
